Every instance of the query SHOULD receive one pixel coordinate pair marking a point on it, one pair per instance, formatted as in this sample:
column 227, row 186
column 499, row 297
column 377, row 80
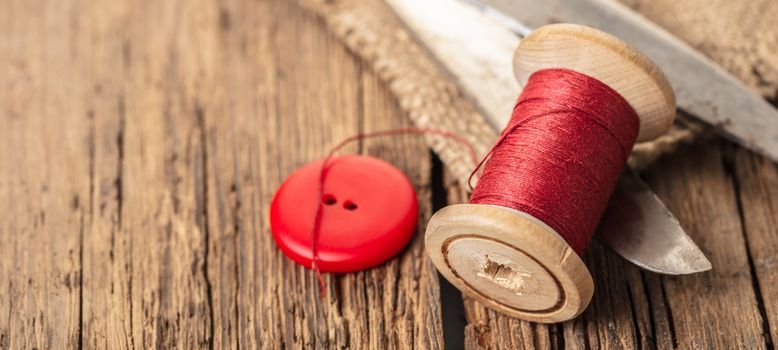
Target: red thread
column 558, row 159
column 561, row 154
column 325, row 166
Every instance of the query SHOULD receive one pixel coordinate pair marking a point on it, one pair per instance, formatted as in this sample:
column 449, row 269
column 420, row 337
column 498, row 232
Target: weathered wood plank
column 612, row 320
column 140, row 144
column 166, row 160
column 162, row 181
column 737, row 35
column 44, row 182
column 310, row 80
column 107, row 307
column 144, row 252
column 289, row 92
column 402, row 303
column 718, row 308
column 757, row 181
column 241, row 83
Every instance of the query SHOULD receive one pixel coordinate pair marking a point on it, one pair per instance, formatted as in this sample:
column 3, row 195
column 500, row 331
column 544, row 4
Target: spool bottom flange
column 509, row 261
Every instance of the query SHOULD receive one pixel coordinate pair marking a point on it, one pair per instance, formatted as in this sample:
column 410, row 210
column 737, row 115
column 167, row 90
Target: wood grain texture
column 271, row 116
column 757, row 183
column 44, row 183
column 141, row 142
column 141, row 146
column 738, row 36
column 702, row 194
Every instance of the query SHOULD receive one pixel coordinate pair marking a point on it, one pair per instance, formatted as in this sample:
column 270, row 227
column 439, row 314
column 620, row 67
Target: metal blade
column 639, row 227
column 477, row 51
column 702, row 88
column 506, row 21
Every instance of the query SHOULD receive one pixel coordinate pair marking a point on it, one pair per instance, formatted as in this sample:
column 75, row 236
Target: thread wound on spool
column 561, row 154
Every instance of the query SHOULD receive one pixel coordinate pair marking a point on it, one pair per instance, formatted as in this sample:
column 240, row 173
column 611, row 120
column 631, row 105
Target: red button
column 370, row 213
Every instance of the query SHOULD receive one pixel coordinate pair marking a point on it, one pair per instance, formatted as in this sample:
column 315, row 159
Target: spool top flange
column 606, row 58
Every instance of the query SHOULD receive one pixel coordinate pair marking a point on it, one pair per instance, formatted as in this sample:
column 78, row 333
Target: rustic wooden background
column 141, row 142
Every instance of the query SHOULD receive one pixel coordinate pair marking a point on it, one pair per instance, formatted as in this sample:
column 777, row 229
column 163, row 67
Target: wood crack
column 560, row 336
column 200, row 120
column 236, row 246
column 119, row 190
column 670, row 321
column 91, row 165
column 651, row 319
column 635, row 324
column 80, row 344
column 237, row 291
column 587, row 341
column 118, row 183
column 452, row 314
column 728, row 165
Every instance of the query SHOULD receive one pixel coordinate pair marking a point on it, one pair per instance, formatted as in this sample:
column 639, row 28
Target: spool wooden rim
column 606, row 58
column 509, row 261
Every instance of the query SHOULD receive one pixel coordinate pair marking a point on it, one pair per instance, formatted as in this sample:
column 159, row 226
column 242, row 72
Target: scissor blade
column 639, row 227
column 504, row 20
column 477, row 51
column 702, row 88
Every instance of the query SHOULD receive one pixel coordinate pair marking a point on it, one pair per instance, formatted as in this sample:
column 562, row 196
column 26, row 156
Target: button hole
column 329, row 199
column 349, row 205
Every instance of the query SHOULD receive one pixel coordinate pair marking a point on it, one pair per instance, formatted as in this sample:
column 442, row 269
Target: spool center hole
column 504, row 275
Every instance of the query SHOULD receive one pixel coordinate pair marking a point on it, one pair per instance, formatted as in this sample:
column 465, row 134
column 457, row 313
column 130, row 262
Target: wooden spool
column 509, row 260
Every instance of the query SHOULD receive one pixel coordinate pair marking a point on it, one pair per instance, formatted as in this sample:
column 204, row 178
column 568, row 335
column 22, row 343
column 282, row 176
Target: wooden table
column 141, row 142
